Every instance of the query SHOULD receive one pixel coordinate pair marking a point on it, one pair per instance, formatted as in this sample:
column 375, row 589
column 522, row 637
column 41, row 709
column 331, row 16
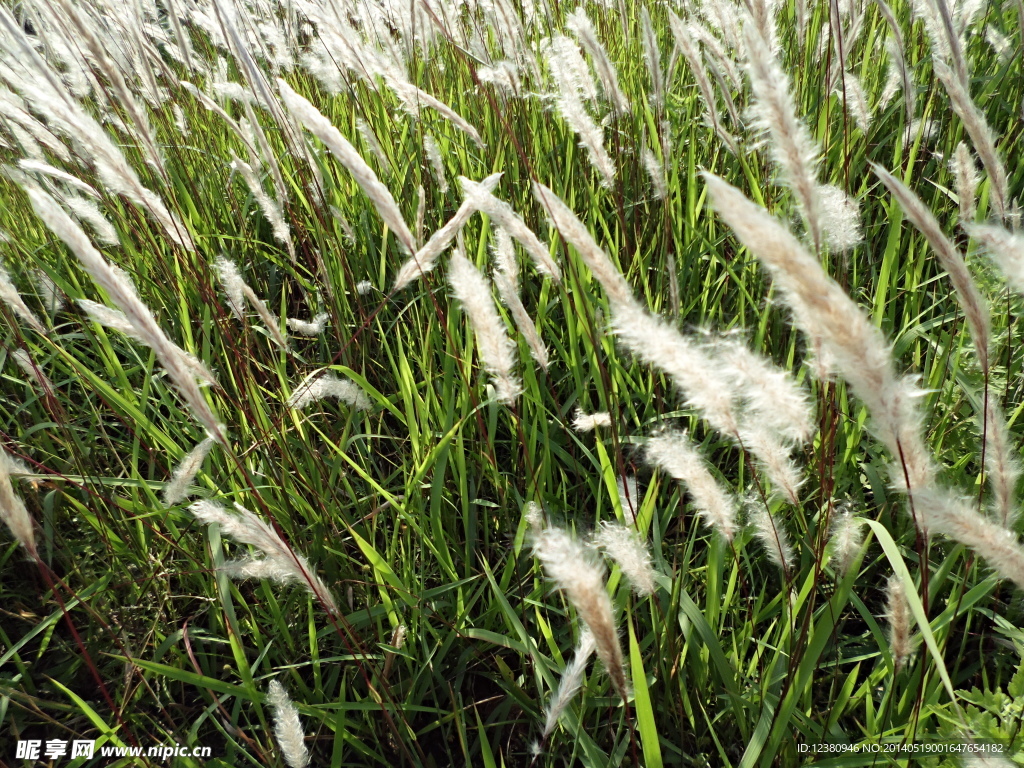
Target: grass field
column 718, row 381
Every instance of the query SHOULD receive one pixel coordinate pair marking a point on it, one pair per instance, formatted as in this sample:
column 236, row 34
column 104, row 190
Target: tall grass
column 513, row 334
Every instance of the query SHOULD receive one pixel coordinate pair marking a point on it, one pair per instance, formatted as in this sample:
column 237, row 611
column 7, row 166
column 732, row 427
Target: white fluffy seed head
column 312, row 327
column 898, row 615
column 232, row 284
column 847, row 535
column 623, row 545
column 185, row 472
column 497, row 353
column 773, row 537
column 574, row 569
column 572, row 679
column 965, row 180
column 12, row 509
column 425, row 258
column 675, row 454
column 588, row 422
column 280, row 563
column 287, row 727
column 319, row 386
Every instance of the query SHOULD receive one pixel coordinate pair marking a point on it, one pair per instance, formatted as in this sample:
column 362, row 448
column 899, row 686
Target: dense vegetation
column 424, row 499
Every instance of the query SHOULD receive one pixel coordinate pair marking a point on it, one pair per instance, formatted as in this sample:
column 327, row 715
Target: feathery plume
column 1003, row 467
column 703, row 383
column 504, row 254
column 793, row 150
column 674, row 453
column 48, row 292
column 688, row 47
column 9, row 295
column 958, row 519
column 340, row 147
column 287, row 727
column 629, row 495
column 1005, row 248
column 186, row 471
column 652, row 57
column 897, row 613
column 981, row 136
column 847, row 535
column 570, row 683
column 581, row 26
column 656, row 170
column 965, row 180
column 425, row 258
column 623, row 545
column 28, row 365
column 771, row 398
column 975, row 307
column 433, row 153
column 318, row 386
column 312, row 327
column 572, row 231
column 773, row 456
column 12, row 508
column 505, row 217
column 560, row 54
column 271, row 209
column 280, row 562
column 773, row 537
column 856, row 100
column 840, row 218
column 231, row 282
column 827, row 314
column 180, row 366
column 574, row 570
column 370, row 138
column 524, row 323
column 496, row 350
column 269, row 318
column 588, row 422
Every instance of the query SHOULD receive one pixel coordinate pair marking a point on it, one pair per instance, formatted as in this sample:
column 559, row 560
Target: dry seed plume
column 975, row 307
column 675, row 454
column 827, row 314
column 588, row 422
column 573, row 231
column 425, row 258
column 340, row 147
column 506, row 218
column 572, row 680
column 185, row 473
column 623, row 545
column 509, row 294
column 287, row 727
column 981, row 135
column 574, row 570
column 279, row 563
column 773, row 537
column 898, row 615
column 180, row 366
column 847, row 535
column 318, row 386
column 9, row 295
column 1006, row 249
column 965, row 180
column 793, row 150
column 12, row 508
column 310, row 328
column 497, row 352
